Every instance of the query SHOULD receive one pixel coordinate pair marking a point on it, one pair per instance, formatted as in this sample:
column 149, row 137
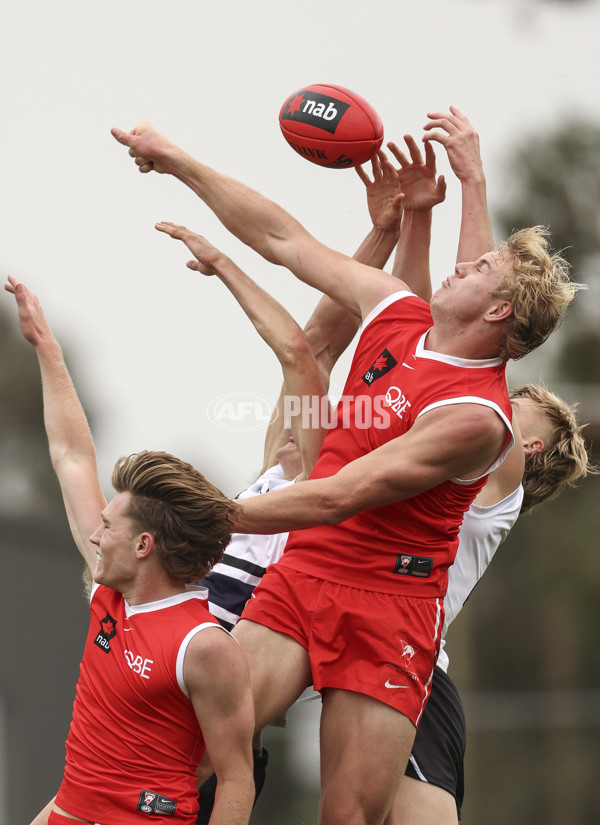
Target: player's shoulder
column 464, row 433
column 101, row 594
column 212, row 652
column 397, row 301
column 462, row 416
column 481, row 424
column 210, row 638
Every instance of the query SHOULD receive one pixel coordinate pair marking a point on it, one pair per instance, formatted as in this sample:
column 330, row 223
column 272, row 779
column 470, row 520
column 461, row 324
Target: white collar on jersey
column 472, row 363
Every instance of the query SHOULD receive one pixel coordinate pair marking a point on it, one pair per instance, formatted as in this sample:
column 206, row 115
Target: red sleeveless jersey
column 134, row 742
column 405, row 547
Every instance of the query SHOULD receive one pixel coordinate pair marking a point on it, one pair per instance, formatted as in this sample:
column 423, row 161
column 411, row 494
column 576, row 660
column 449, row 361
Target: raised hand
column 206, row 255
column 384, row 195
column 417, row 177
column 150, row 149
column 31, row 317
column 460, row 140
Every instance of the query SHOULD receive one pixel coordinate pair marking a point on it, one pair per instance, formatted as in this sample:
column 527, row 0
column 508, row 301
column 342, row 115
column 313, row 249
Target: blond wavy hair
column 188, row 516
column 539, row 289
column 562, row 463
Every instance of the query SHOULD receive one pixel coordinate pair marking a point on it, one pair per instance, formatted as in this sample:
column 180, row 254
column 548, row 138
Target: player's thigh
column 279, row 669
column 421, row 803
column 365, row 745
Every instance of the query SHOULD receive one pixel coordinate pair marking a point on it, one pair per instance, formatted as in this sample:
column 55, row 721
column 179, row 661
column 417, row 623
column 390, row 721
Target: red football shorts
column 379, row 644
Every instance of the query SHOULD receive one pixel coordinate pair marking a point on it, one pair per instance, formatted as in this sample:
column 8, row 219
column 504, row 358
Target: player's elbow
column 59, row 456
column 295, row 350
column 236, row 792
column 281, row 242
column 66, row 463
column 333, row 509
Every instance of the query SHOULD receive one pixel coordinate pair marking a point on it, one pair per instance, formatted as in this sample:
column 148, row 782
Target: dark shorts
column 439, row 748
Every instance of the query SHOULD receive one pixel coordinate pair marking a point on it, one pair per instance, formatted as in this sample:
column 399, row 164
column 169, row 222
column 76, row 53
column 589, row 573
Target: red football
column 331, row 126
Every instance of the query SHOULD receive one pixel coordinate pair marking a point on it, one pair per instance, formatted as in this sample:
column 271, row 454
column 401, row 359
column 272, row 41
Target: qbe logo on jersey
column 316, row 109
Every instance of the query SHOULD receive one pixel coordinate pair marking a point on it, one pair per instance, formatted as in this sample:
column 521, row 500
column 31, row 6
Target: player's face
column 468, row 293
column 116, row 541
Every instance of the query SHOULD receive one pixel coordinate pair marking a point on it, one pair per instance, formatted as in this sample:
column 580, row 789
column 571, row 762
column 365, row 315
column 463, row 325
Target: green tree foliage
column 555, row 181
column 524, row 646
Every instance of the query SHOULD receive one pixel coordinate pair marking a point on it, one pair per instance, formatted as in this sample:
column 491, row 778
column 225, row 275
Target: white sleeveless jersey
column 483, row 530
column 232, row 580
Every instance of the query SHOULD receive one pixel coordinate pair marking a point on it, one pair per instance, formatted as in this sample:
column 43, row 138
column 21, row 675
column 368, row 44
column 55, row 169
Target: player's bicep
column 306, row 409
column 216, row 675
column 84, row 502
column 356, row 286
column 457, row 441
column 276, row 437
column 302, row 409
column 451, row 441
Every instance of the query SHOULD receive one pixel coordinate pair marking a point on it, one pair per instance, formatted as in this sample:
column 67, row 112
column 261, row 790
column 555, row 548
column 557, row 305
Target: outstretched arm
column 461, row 142
column 262, row 224
column 301, row 376
column 459, row 441
column 422, row 191
column 331, row 327
column 69, row 438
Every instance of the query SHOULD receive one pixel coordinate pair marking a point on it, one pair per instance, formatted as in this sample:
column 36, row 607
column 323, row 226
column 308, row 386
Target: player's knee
column 344, row 809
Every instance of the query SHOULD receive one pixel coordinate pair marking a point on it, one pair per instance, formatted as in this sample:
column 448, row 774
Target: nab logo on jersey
column 382, row 364
column 108, row 629
column 318, row 110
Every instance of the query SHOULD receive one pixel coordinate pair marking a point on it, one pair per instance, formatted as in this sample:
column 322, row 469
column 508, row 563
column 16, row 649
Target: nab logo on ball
column 331, row 126
column 319, row 110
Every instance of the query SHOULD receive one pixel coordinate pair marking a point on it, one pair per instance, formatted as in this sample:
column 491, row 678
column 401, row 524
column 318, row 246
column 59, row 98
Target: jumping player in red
column 160, row 680
column 394, row 478
column 549, row 455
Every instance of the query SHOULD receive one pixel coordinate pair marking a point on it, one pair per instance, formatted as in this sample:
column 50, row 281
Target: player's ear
column 145, row 545
column 532, row 445
column 500, row 310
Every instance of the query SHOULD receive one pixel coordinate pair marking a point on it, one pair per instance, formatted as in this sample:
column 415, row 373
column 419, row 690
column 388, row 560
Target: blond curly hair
column 563, row 462
column 538, row 287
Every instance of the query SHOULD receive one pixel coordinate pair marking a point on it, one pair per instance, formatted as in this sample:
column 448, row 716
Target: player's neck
column 468, row 342
column 148, row 589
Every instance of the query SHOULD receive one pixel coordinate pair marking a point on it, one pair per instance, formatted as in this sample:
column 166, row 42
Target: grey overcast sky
column 152, row 344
